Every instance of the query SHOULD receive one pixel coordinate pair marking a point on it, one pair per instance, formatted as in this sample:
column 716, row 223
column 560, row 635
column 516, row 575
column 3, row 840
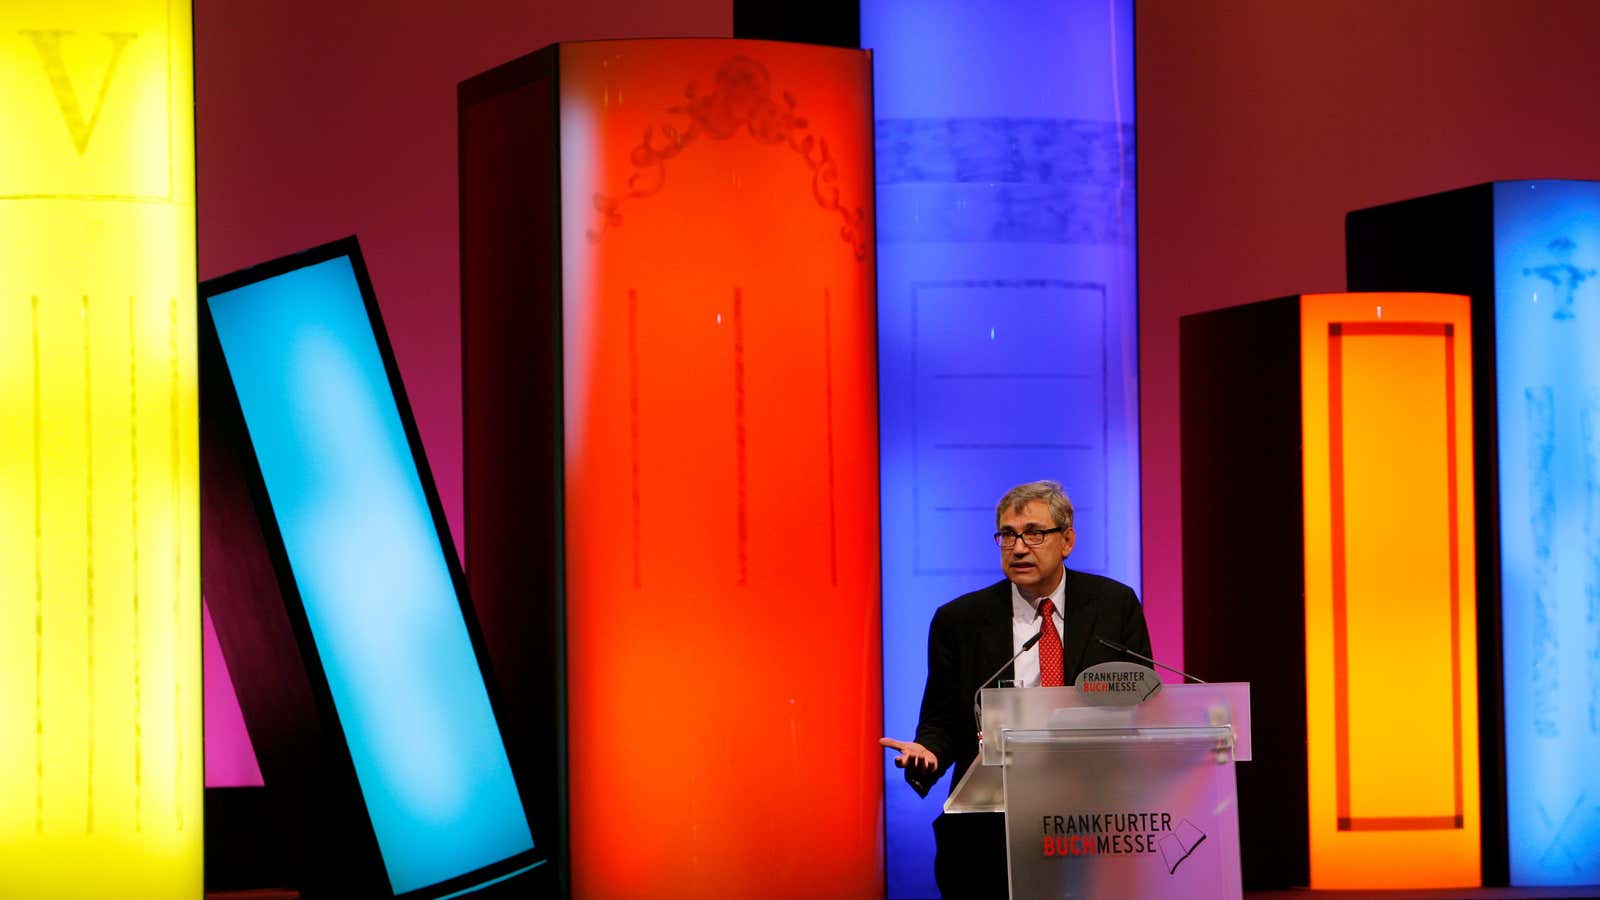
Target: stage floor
column 1299, row 894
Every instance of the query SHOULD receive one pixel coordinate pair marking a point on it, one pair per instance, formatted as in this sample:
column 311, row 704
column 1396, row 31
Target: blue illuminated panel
column 372, row 574
column 1007, row 313
column 1547, row 345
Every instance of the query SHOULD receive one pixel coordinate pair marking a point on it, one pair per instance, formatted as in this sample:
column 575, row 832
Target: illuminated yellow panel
column 101, row 775
column 1391, row 652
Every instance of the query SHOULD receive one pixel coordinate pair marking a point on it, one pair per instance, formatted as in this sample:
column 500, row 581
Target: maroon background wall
column 1262, row 122
column 322, row 118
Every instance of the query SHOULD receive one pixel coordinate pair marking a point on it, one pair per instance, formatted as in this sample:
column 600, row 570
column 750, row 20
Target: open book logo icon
column 1177, row 846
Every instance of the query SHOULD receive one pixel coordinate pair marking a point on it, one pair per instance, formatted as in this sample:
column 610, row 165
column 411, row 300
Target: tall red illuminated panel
column 669, row 350
column 1328, row 518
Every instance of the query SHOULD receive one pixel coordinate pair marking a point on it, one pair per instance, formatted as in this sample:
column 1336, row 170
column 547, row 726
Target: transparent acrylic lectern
column 1114, row 801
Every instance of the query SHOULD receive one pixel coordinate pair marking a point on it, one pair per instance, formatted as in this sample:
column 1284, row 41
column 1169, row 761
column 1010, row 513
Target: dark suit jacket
column 970, row 637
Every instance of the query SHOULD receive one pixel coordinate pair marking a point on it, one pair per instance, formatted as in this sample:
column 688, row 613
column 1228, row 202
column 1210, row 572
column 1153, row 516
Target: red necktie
column 1051, row 669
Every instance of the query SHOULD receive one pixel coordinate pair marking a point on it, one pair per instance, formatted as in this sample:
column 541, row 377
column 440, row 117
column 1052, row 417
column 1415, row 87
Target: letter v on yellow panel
column 100, row 680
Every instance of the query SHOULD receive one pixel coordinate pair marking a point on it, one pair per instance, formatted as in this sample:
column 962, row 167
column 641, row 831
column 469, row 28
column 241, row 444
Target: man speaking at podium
column 975, row 634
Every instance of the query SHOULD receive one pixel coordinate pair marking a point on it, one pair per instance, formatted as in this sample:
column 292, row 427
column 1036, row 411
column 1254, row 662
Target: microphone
column 977, row 711
column 1140, row 656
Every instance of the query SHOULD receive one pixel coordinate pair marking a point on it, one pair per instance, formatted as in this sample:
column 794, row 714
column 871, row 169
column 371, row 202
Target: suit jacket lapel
column 1078, row 627
column 994, row 641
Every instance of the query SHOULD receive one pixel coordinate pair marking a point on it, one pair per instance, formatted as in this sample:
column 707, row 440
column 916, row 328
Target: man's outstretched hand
column 912, row 754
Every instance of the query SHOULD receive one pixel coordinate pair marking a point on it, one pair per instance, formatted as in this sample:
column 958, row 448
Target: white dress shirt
column 1025, row 624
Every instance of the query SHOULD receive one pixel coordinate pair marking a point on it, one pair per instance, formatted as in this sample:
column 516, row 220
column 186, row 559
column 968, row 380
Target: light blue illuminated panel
column 1547, row 346
column 1007, row 313
column 372, row 574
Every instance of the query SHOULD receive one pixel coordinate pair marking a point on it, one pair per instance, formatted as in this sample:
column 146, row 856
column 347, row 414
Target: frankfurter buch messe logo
column 1121, row 834
column 1117, row 684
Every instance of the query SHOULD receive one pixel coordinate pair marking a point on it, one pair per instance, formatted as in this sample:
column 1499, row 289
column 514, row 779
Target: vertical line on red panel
column 741, row 471
column 827, row 365
column 176, row 484
column 1455, row 559
column 133, row 505
column 1341, row 699
column 88, row 528
column 38, row 582
column 633, row 428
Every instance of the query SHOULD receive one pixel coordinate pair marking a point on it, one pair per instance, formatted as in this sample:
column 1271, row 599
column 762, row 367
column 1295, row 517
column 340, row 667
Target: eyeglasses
column 1005, row 540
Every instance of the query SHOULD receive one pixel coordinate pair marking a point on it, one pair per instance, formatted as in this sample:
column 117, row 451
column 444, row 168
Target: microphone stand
column 1141, row 657
column 977, row 709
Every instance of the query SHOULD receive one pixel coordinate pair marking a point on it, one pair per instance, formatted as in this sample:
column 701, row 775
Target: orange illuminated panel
column 1391, row 651
column 722, row 617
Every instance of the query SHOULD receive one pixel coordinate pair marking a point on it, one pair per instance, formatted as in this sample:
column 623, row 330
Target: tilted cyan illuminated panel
column 1391, row 650
column 101, row 768
column 1007, row 344
column 1327, row 455
column 369, row 571
column 1527, row 252
column 707, row 293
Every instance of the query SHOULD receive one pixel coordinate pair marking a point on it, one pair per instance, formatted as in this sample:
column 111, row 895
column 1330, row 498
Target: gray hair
column 1048, row 492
